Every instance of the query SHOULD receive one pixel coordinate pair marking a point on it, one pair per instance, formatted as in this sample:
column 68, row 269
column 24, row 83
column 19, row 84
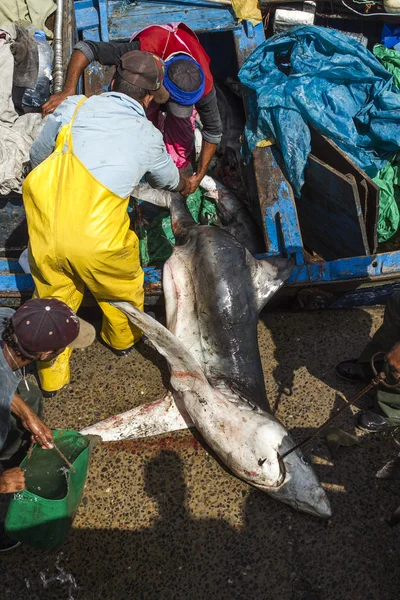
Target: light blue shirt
column 115, row 141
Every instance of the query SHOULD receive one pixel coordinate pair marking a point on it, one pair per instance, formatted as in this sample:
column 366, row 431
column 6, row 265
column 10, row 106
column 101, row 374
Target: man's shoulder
column 153, row 135
column 68, row 106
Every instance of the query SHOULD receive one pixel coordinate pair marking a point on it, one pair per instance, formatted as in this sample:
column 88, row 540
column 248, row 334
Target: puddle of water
column 60, row 577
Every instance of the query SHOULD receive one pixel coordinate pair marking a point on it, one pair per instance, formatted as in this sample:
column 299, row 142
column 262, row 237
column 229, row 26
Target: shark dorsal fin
column 268, row 275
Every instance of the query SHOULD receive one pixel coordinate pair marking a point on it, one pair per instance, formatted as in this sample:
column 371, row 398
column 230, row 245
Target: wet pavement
column 161, row 519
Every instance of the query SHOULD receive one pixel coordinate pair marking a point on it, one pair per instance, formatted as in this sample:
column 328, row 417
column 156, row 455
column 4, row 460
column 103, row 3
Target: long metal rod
column 377, row 379
column 373, row 383
column 58, row 72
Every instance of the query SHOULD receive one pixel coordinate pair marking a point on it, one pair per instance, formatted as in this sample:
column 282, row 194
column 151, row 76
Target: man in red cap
column 89, row 156
column 39, row 330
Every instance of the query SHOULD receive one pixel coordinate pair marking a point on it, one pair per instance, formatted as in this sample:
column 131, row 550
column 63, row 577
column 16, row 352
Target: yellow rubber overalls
column 79, row 236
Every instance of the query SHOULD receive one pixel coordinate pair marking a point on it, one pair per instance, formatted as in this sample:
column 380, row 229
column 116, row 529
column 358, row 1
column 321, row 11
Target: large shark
column 214, row 290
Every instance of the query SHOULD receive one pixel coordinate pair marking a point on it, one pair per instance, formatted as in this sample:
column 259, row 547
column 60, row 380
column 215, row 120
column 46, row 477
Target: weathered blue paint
column 91, row 34
column 278, row 209
column 247, row 38
column 384, row 266
column 380, row 266
column 10, row 265
column 366, row 268
column 280, row 219
column 15, row 284
column 86, row 15
column 152, row 275
column 124, row 20
column 14, row 280
column 103, row 14
column 117, row 20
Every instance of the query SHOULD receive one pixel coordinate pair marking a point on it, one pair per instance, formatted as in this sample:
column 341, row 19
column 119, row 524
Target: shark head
column 291, row 480
column 301, row 488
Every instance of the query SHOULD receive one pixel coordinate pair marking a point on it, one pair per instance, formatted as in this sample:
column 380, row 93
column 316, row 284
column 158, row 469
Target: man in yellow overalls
column 76, row 200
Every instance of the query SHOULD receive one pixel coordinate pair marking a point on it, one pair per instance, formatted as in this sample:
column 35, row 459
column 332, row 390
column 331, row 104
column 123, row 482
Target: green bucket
column 41, row 515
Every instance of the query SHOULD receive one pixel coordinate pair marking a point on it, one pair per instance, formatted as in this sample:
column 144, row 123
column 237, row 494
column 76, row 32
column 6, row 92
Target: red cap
column 44, row 324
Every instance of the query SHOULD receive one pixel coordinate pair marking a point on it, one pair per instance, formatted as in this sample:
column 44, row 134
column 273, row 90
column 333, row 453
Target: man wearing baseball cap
column 88, row 158
column 188, row 80
column 39, row 330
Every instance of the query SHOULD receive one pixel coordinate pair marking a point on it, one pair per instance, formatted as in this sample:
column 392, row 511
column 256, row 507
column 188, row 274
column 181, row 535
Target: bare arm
column 183, row 186
column 77, row 65
column 106, row 53
column 31, row 422
column 212, row 133
column 206, row 154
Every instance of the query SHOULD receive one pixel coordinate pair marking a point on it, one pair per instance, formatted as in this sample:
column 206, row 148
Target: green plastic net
column 156, row 237
column 388, row 178
column 391, row 61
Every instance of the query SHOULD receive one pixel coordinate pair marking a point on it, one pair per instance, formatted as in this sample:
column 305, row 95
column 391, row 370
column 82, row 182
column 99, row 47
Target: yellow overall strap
column 65, row 136
column 68, row 133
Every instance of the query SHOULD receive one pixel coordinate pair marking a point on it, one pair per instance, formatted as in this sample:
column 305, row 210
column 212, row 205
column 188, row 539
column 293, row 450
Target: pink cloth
column 178, row 134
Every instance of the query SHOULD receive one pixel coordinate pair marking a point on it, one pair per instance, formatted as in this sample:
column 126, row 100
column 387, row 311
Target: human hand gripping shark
column 214, row 290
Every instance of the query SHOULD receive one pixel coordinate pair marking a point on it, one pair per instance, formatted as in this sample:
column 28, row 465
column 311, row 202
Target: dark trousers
column 387, row 401
column 18, row 439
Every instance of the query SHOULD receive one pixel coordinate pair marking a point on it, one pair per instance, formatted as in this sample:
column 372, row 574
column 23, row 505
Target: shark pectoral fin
column 184, row 367
column 147, row 420
column 268, row 276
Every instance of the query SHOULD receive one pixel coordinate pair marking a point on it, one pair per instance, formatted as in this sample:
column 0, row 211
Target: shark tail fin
column 146, row 420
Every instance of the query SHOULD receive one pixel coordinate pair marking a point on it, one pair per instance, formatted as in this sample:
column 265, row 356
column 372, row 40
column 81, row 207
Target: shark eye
column 304, row 460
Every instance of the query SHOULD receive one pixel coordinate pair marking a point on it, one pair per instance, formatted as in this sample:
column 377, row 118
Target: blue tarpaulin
column 390, row 35
column 315, row 75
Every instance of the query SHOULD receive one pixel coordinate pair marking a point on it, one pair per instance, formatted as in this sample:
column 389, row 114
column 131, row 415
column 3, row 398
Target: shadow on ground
column 161, row 519
column 315, row 341
column 276, row 553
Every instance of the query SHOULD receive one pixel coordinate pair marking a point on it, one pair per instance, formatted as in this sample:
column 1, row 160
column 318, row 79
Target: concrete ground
column 160, row 519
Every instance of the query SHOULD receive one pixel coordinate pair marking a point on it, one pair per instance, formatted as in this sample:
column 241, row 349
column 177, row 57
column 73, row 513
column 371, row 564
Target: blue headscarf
column 175, row 93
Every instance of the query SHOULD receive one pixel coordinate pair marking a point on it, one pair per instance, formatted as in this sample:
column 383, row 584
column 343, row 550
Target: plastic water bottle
column 41, row 93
